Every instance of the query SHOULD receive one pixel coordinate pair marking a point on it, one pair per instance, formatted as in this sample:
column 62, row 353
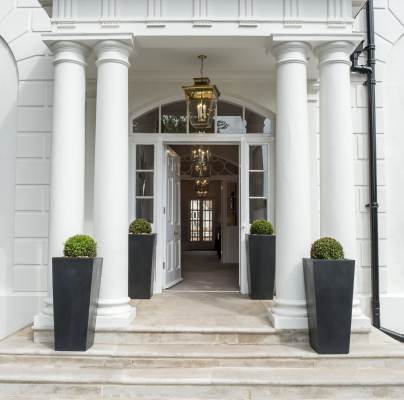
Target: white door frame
column 160, row 141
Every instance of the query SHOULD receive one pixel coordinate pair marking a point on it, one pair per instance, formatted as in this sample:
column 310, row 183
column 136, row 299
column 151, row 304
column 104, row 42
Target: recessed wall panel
column 177, row 9
column 87, row 8
column 130, row 8
column 267, row 9
column 314, row 8
column 223, row 9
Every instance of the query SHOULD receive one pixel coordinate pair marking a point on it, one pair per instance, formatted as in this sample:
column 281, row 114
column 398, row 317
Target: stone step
column 195, row 335
column 222, row 383
column 24, row 352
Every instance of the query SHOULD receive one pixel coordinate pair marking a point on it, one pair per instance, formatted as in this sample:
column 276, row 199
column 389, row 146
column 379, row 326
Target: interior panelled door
column 173, row 220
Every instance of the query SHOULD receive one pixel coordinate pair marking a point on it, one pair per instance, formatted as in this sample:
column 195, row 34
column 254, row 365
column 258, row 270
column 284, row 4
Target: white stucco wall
column 389, row 27
column 26, row 84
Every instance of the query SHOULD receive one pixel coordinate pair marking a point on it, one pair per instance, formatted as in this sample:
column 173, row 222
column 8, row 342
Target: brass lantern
column 202, row 100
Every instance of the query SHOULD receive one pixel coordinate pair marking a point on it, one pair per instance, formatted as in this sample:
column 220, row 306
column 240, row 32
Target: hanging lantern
column 202, row 101
column 200, row 170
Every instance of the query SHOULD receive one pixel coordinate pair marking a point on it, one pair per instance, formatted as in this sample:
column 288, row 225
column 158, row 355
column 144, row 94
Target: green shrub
column 140, row 226
column 261, row 227
column 80, row 246
column 327, row 249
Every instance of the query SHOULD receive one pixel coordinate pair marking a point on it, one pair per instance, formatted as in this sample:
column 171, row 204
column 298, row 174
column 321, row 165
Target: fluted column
column 68, row 156
column 337, row 197
column 111, row 182
column 293, row 202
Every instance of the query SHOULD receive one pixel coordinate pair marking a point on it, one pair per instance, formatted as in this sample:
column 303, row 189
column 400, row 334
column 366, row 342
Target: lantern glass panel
column 202, row 111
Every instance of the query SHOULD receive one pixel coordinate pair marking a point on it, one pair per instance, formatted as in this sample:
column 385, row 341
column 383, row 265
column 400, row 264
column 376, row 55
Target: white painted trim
column 176, row 282
column 162, row 140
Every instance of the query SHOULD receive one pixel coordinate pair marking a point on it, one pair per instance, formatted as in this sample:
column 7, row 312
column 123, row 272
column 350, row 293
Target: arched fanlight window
column 230, row 118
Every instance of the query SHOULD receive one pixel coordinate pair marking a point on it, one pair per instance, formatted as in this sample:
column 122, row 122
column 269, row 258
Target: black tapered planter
column 261, row 266
column 76, row 288
column 329, row 288
column 140, row 270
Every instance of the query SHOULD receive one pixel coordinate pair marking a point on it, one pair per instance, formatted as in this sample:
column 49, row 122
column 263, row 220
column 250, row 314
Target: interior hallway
column 202, row 271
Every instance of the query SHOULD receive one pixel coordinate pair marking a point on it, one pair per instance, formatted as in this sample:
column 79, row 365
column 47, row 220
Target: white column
column 111, row 182
column 68, row 155
column 293, row 199
column 337, row 196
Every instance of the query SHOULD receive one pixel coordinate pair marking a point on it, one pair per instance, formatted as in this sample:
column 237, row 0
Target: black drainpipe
column 369, row 70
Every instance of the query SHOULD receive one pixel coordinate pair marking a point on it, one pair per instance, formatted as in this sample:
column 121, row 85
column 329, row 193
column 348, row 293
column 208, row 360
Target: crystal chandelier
column 200, row 162
column 202, row 100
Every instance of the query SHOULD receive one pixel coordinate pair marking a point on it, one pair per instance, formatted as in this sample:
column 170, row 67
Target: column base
column 360, row 322
column 44, row 319
column 115, row 313
column 288, row 314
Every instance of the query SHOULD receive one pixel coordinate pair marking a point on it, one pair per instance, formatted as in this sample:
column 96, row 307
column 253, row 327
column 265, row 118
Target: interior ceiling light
column 200, row 162
column 202, row 187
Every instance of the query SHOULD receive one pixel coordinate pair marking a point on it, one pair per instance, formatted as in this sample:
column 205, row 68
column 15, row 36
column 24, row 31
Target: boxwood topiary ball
column 327, row 249
column 140, row 226
column 261, row 227
column 80, row 246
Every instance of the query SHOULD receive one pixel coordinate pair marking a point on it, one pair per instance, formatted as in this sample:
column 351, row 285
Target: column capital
column 291, row 51
column 335, row 52
column 69, row 51
column 112, row 51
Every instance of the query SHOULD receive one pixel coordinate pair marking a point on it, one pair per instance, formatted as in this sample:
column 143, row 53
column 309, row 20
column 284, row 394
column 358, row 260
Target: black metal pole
column 373, row 204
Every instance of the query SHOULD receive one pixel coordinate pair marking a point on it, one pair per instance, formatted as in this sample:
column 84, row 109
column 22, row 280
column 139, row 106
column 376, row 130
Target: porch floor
column 224, row 311
column 203, row 271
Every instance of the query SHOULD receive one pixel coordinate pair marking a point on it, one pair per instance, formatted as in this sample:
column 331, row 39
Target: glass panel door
column 258, row 182
column 201, row 220
column 144, row 182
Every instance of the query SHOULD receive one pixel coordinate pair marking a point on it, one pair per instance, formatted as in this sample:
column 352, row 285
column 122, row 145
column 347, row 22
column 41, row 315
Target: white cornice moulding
column 212, row 20
column 356, row 6
column 89, row 39
column 317, row 38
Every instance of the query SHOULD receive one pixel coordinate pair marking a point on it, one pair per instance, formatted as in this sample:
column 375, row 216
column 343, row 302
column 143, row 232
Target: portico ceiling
column 228, row 58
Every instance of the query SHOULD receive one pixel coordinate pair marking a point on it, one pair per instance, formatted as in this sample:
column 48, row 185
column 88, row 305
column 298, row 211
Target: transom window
column 230, row 118
column 201, row 220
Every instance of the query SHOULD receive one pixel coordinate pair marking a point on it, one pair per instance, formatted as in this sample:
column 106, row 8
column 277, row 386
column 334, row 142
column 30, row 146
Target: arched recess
column 8, row 135
column 23, row 56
